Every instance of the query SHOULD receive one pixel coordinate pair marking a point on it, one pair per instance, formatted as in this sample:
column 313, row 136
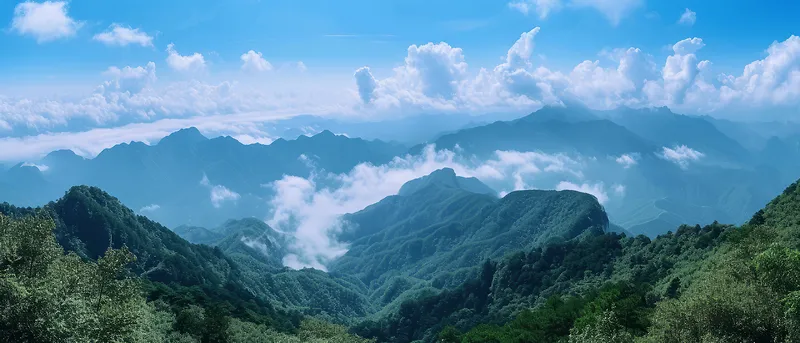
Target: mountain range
column 444, row 261
column 659, row 169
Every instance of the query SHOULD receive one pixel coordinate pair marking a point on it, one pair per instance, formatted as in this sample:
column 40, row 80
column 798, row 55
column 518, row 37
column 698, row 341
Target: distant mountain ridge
column 169, row 174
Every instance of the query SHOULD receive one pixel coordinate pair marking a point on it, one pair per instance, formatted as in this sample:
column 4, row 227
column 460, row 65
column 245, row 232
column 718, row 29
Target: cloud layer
column 432, row 78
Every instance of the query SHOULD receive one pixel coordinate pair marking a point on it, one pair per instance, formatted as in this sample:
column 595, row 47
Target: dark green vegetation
column 717, row 283
column 541, row 268
column 436, row 235
column 128, row 279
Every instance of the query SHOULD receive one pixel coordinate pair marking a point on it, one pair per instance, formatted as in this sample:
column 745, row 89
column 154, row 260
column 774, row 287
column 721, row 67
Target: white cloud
column 679, row 74
column 301, row 66
column 688, row 46
column 130, row 80
column 681, row 155
column 597, row 189
column 433, row 78
column 255, row 244
column 614, row 10
column 688, row 18
column 772, row 81
column 189, row 63
column 436, row 70
column 254, row 61
column 149, row 208
column 311, row 212
column 619, row 189
column 119, row 35
column 541, row 7
column 41, row 167
column 627, row 160
column 46, row 21
column 219, row 193
column 366, row 84
column 91, row 142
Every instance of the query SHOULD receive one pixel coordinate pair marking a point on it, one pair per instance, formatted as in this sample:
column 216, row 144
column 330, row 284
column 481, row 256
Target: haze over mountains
column 650, row 168
column 518, row 228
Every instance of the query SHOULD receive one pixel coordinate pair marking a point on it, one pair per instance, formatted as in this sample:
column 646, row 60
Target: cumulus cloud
column 619, row 189
column 118, row 35
column 433, row 78
column 679, row 74
column 301, row 66
column 614, row 10
column 435, row 69
column 189, row 63
column 310, row 211
column 254, row 61
column 149, row 208
column 772, row 81
column 130, row 80
column 627, row 160
column 366, row 84
column 688, row 18
column 597, row 189
column 681, row 155
column 46, row 21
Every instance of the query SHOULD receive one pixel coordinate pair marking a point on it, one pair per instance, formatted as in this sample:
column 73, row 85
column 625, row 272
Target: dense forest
column 717, row 283
column 86, row 268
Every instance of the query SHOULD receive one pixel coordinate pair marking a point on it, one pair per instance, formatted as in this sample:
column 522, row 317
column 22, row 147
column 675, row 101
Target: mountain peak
column 62, row 154
column 325, row 134
column 568, row 114
column 189, row 135
column 446, row 178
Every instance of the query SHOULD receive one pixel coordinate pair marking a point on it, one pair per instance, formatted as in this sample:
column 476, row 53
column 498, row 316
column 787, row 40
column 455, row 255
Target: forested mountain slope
column 89, row 221
column 717, row 283
column 438, row 234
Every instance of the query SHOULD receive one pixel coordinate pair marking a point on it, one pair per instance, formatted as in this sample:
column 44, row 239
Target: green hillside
column 717, row 283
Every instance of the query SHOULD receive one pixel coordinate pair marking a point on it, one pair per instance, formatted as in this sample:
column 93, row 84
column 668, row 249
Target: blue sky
column 736, row 32
column 55, row 62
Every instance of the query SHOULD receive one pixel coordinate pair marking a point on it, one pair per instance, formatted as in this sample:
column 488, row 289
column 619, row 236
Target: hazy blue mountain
column 725, row 183
column 198, row 235
column 410, row 129
column 661, row 126
column 550, row 134
column 173, row 180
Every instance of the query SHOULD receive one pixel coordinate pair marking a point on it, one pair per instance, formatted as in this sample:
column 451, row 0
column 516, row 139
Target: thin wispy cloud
column 688, row 18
